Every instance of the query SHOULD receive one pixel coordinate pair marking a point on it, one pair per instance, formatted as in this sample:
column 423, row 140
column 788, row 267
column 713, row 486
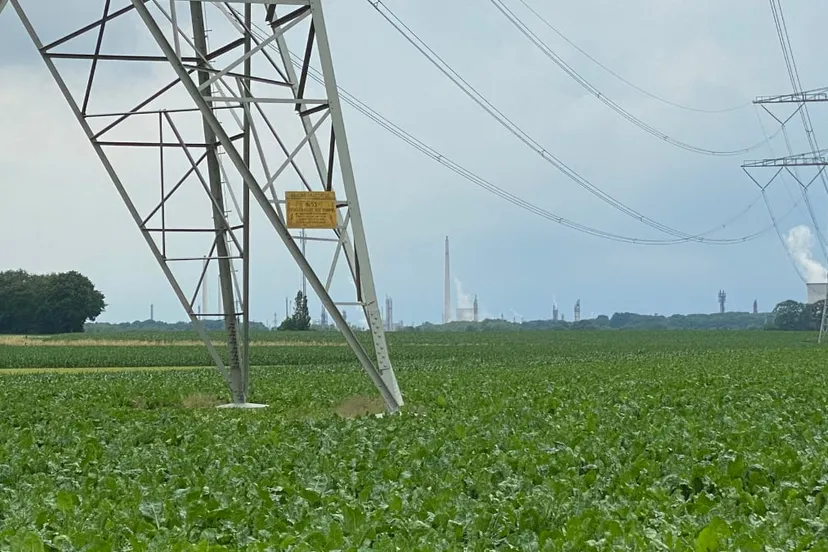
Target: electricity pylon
column 815, row 158
column 206, row 83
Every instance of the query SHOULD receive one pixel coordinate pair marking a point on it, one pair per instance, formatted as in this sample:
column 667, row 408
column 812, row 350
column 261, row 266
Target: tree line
column 47, row 304
column 64, row 302
column 786, row 316
column 618, row 321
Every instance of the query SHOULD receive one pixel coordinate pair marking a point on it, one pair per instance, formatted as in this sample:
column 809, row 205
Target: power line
column 522, row 203
column 656, row 97
column 785, row 182
column 770, row 210
column 487, row 106
column 479, row 181
column 796, row 83
column 589, row 87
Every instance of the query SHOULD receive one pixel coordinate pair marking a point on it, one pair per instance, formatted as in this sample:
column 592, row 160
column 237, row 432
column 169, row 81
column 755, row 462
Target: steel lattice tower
column 227, row 120
column 815, row 159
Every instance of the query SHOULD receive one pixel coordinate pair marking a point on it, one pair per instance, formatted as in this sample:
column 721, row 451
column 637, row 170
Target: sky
column 61, row 212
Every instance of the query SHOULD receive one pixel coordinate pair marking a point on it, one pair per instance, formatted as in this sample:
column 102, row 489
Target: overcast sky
column 61, row 212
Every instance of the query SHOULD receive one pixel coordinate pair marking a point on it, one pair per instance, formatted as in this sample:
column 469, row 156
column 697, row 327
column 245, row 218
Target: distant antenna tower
column 722, row 301
column 755, row 307
column 577, row 311
column 476, row 310
column 323, row 318
column 447, row 288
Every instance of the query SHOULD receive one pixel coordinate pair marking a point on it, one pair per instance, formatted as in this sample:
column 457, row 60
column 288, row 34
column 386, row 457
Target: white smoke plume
column 462, row 299
column 800, row 242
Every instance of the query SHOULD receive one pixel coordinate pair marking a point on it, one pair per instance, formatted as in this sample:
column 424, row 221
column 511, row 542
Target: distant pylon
column 447, row 288
column 722, row 301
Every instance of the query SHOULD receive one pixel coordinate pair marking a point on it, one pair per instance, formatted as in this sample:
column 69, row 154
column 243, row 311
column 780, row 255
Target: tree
column 70, row 299
column 18, row 302
column 793, row 316
column 300, row 320
column 47, row 304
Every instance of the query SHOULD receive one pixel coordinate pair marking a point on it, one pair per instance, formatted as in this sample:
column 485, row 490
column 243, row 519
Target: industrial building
column 462, row 314
column 468, row 314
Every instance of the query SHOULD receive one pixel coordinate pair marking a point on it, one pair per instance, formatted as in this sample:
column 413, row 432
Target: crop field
column 562, row 440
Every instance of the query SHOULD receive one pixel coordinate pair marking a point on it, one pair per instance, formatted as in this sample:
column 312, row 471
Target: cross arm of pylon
column 810, row 159
column 817, row 95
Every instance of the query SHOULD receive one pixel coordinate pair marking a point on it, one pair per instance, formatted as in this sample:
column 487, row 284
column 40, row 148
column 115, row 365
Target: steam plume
column 800, row 241
column 464, row 300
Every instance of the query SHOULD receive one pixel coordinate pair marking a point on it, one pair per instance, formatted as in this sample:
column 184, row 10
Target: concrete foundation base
column 245, row 406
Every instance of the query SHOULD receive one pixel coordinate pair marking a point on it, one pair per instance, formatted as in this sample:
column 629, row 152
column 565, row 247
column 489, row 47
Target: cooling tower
column 816, row 292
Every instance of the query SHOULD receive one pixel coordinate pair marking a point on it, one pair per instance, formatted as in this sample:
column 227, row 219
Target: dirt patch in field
column 356, row 406
column 201, row 400
column 13, row 340
column 91, row 342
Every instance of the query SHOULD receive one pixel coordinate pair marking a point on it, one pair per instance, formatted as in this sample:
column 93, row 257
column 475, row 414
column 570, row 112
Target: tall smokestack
column 447, row 288
column 389, row 314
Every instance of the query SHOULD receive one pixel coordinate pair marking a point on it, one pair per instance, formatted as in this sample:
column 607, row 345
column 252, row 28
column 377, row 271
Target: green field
column 522, row 441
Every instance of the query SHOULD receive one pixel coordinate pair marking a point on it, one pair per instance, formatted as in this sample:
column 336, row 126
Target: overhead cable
column 796, row 83
column 586, row 85
column 487, row 106
column 652, row 95
column 479, row 181
column 774, row 221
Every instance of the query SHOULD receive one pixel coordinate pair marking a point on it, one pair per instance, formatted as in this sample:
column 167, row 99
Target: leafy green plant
column 521, row 441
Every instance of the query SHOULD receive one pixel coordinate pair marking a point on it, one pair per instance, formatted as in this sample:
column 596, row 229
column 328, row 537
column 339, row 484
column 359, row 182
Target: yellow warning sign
column 311, row 209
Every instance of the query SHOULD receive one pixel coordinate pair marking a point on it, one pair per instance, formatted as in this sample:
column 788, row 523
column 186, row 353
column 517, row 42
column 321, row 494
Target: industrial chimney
column 389, row 314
